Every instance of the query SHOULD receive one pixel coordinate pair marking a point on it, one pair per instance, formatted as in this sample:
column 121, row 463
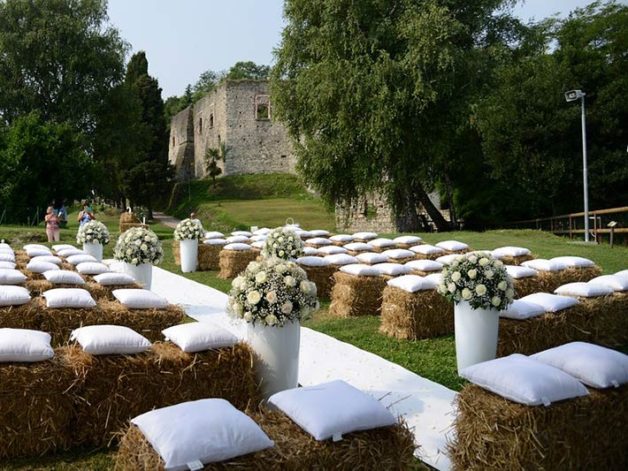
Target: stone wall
column 210, row 128
column 181, row 144
column 371, row 213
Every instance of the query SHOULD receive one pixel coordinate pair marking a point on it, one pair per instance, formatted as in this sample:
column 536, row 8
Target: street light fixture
column 574, row 95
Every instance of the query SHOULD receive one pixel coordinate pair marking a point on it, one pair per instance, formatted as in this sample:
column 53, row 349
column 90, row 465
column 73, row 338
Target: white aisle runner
column 426, row 406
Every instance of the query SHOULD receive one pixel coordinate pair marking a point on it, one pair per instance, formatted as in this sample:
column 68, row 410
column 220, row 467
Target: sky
column 183, row 38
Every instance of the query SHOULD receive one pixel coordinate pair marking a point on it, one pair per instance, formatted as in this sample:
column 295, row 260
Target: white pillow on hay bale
column 5, row 265
column 524, row 380
column 551, row 302
column 382, row 242
column 319, row 233
column 11, row 276
column 427, row 249
column 80, row 258
column 585, row 290
column 425, row 265
column 215, row 242
column 364, row 235
column 48, row 258
column 541, row 264
column 13, row 295
column 447, row 259
column 391, row 269
column 407, row 240
column 516, row 271
column 92, row 268
column 110, row 340
column 332, row 409
column 359, row 247
column 309, row 261
column 262, row 231
column 36, row 266
column 509, row 251
column 191, row 434
column 69, row 252
column 58, row 247
column 521, row 309
column 303, row 235
column 311, row 251
column 258, row 245
column 237, row 239
column 318, row 242
column 36, row 252
column 412, row 283
column 340, row 259
column 4, row 245
column 74, row 298
column 134, row 298
column 398, row 254
column 246, row 234
column 64, row 277
column 7, row 257
column 332, row 250
column 341, row 238
column 359, row 269
column 35, row 246
column 114, row 278
column 24, row 345
column 595, row 366
column 452, row 245
column 616, row 283
column 199, row 336
column 573, row 261
column 371, row 258
column 435, row 277
column 214, row 235
column 258, row 238
column 238, row 247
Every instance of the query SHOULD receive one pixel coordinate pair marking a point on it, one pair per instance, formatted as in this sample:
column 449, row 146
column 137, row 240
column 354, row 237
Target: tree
column 365, row 90
column 212, row 156
column 248, row 70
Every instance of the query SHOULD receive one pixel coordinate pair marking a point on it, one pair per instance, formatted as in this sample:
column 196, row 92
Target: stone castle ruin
column 235, row 116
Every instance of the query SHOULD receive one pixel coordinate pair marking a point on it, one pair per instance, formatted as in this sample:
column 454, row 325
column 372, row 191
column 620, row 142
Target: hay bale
column 36, row 409
column 25, row 316
column 37, row 287
column 421, row 315
column 532, row 284
column 208, row 256
column 609, row 319
column 493, row 433
column 574, row 274
column 126, row 226
column 389, row 448
column 105, row 292
column 322, row 277
column 356, row 295
column 116, row 388
column 234, row 262
column 516, row 260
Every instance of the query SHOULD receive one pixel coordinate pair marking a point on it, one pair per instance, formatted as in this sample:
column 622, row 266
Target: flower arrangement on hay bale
column 92, row 231
column 283, row 243
column 137, row 246
column 272, row 293
column 189, row 229
column 478, row 279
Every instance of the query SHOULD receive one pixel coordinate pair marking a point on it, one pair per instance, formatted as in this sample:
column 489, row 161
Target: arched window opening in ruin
column 262, row 107
column 200, row 125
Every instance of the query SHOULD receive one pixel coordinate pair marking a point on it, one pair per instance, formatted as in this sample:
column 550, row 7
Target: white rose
column 484, row 261
column 261, row 277
column 271, row 297
column 455, row 276
column 496, row 301
column 473, row 259
column 489, row 274
column 286, row 307
column 499, row 263
column 451, row 287
column 502, row 285
column 480, row 290
column 254, row 297
column 271, row 319
column 282, row 253
column 466, row 294
column 290, row 281
column 248, row 317
column 238, row 282
column 472, row 273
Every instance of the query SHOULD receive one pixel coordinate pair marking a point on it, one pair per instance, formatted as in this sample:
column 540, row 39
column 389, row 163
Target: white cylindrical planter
column 94, row 249
column 188, row 249
column 476, row 334
column 142, row 273
column 277, row 351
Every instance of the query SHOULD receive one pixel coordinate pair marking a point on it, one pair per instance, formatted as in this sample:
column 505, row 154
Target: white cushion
column 617, row 283
column 595, row 366
column 65, row 277
column 426, row 249
column 109, row 340
column 425, row 265
column 319, row 233
column 11, row 277
column 313, row 261
column 541, row 264
column 332, row 409
column 412, row 283
column 263, row 231
column 311, row 251
column 237, row 246
column 332, row 250
column 435, row 277
column 342, row 238
column 622, row 273
column 36, row 266
column 92, row 268
column 258, row 238
column 58, row 247
column 68, row 298
column 23, row 345
column 359, row 247
column 4, row 245
column 318, row 241
column 139, row 298
column 7, row 265
column 571, row 261
column 214, row 235
column 359, row 269
column 391, row 269
column 113, row 278
column 48, row 258
column 199, row 336
column 509, row 251
column 237, row 240
column 521, row 309
column 586, row 290
column 35, row 252
column 69, row 252
column 205, row 431
column 76, row 259
column 35, row 246
column 382, row 242
column 452, row 245
column 258, row 244
column 341, row 259
column 516, row 272
column 7, row 257
column 551, row 302
column 371, row 258
column 398, row 254
column 524, row 380
column 365, row 235
column 13, row 295
column 303, row 234
column 246, row 234
column 407, row 240
column 215, row 242
column 447, row 259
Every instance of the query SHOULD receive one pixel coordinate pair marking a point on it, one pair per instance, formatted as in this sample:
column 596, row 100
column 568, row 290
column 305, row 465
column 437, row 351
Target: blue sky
column 183, row 38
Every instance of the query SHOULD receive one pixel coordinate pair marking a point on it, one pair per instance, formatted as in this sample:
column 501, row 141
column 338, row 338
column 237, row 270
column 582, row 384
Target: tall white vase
column 188, row 249
column 277, row 350
column 476, row 334
column 142, row 273
column 94, row 249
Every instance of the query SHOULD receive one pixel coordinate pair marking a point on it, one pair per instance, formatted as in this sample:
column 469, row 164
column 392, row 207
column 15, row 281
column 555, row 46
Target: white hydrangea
column 133, row 247
column 92, row 231
column 189, row 229
column 283, row 243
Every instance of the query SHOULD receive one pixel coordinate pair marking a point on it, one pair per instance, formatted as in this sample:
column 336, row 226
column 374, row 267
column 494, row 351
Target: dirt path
column 165, row 219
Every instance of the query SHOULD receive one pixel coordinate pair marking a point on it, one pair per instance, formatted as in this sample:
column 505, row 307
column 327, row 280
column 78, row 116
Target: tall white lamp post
column 574, row 95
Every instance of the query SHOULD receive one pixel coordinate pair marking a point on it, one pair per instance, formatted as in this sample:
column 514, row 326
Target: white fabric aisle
column 426, row 406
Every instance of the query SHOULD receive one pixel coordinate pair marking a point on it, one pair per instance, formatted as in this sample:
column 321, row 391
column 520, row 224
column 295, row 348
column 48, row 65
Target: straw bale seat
column 354, row 295
column 234, row 262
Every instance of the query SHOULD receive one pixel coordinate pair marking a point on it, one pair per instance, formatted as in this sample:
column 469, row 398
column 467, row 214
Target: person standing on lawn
column 52, row 225
column 86, row 214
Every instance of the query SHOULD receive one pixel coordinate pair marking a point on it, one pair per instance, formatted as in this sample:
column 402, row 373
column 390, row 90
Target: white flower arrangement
column 138, row 245
column 271, row 293
column 92, row 231
column 480, row 280
column 284, row 243
column 189, row 229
